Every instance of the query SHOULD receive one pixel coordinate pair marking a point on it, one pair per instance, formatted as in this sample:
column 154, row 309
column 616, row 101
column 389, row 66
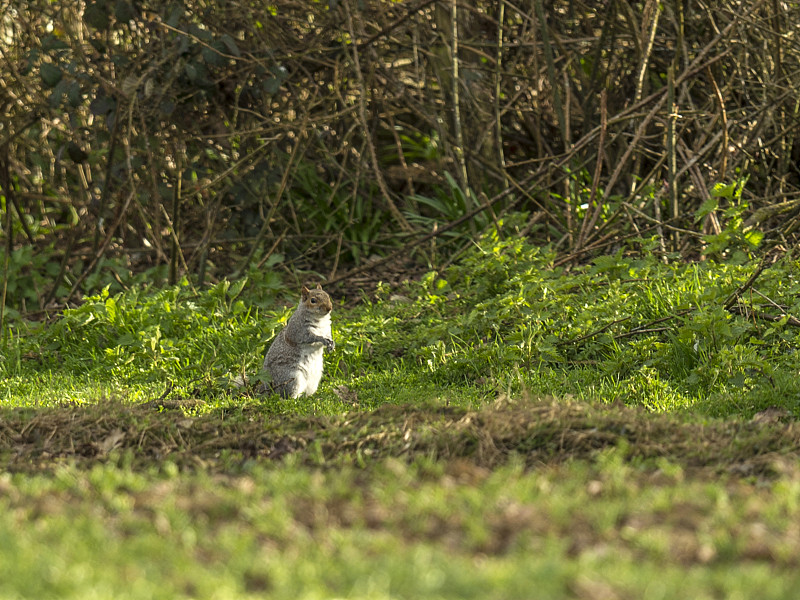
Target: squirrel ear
column 319, row 286
column 305, row 291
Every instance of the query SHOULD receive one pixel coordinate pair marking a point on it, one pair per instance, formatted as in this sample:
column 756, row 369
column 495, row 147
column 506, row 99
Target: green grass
column 398, row 530
column 502, row 427
column 501, row 321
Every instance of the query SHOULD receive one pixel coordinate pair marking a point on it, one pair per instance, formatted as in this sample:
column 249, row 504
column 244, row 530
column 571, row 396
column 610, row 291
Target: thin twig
column 749, row 312
column 594, row 333
column 5, row 187
column 362, row 113
column 767, row 261
column 405, row 250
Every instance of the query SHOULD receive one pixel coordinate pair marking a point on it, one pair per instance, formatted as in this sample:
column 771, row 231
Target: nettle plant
column 726, row 201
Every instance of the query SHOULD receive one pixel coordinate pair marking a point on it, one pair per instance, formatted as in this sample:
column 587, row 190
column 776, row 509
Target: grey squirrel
column 294, row 359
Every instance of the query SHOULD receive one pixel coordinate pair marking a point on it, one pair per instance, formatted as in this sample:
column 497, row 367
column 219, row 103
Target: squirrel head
column 316, row 300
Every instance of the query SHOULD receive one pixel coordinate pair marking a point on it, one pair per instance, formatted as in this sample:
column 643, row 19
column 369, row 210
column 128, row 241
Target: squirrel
column 294, row 359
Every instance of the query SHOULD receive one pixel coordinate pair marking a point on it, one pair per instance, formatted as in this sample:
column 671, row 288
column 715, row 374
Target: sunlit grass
column 502, row 321
column 426, row 465
column 396, row 530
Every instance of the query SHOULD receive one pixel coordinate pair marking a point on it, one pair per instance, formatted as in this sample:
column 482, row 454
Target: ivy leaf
column 102, row 105
column 74, row 94
column 230, row 45
column 97, row 15
column 214, row 55
column 57, row 95
column 50, row 74
column 124, row 12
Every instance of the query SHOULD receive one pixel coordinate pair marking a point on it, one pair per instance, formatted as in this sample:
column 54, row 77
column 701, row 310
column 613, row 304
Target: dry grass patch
column 535, row 432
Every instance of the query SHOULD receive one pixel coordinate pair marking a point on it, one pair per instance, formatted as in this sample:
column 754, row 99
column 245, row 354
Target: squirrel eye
column 313, row 301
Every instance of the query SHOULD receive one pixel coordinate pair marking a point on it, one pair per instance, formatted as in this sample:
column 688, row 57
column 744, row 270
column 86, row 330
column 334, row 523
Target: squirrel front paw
column 330, row 345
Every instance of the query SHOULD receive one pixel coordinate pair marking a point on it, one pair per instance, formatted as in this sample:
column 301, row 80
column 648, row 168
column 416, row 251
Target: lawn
column 504, row 429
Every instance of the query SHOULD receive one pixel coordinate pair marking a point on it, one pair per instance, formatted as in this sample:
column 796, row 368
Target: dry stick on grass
column 789, row 318
column 729, row 305
column 751, row 313
column 648, row 327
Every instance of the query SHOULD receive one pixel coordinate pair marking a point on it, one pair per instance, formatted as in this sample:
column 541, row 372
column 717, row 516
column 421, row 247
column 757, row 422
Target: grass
column 622, row 430
column 397, row 529
column 502, row 321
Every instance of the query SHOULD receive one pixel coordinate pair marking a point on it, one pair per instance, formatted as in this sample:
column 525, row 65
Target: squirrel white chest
column 309, row 367
column 322, row 327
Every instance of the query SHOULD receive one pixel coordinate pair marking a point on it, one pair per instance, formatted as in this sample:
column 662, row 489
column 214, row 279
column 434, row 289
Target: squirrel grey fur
column 294, row 359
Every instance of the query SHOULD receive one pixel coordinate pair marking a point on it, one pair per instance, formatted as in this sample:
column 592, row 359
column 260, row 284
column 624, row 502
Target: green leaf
column 76, row 153
column 201, row 33
column 271, row 85
column 111, row 309
column 102, row 105
column 754, row 237
column 50, row 74
column 274, row 259
column 51, row 42
column 58, row 93
column 230, row 44
column 74, row 94
column 191, row 72
column 722, row 190
column 124, row 12
column 126, row 339
column 96, row 15
column 237, row 287
column 175, row 16
column 214, row 54
column 709, row 206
